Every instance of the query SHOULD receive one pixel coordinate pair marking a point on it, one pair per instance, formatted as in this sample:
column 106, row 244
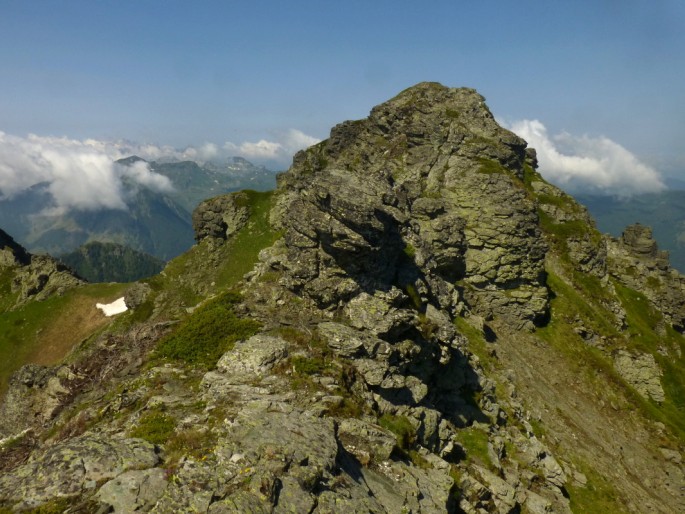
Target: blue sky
column 234, row 72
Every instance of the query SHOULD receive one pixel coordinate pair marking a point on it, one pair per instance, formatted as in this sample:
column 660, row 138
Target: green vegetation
column 570, row 303
column 477, row 343
column 409, row 251
column 530, row 176
column 155, row 427
column 196, row 442
column 475, row 444
column 44, row 332
column 644, row 336
column 490, row 166
column 208, row 268
column 402, row 428
column 308, row 365
column 598, row 496
column 203, row 337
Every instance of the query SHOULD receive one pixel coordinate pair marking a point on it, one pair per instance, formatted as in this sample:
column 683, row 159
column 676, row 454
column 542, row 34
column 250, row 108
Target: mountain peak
column 430, row 170
column 128, row 161
column 414, row 320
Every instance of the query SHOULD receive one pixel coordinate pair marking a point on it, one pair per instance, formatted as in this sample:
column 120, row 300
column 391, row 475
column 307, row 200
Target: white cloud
column 141, row 174
column 278, row 153
column 588, row 165
column 80, row 174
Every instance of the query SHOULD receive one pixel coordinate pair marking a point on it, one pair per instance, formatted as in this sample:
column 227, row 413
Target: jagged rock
column 41, row 278
column 536, row 504
column 348, row 342
column 255, row 356
column 379, row 315
column 136, row 490
column 34, row 395
column 368, row 443
column 221, row 216
column 642, row 372
column 453, row 175
column 137, row 294
column 635, row 260
column 410, row 489
column 72, row 468
column 639, row 239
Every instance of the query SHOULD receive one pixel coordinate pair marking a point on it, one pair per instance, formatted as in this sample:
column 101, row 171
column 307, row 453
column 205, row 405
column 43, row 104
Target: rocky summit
column 414, row 321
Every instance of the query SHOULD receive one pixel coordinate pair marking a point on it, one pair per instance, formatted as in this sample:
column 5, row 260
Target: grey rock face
column 37, row 277
column 636, row 261
column 132, row 491
column 255, row 356
column 221, row 216
column 34, row 395
column 70, row 468
column 423, row 193
column 642, row 372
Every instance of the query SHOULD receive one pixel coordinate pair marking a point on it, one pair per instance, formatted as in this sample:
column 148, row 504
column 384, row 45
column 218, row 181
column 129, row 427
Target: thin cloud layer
column 79, row 175
column 278, row 152
column 588, row 165
column 83, row 174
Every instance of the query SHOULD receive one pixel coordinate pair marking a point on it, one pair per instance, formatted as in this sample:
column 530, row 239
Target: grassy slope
column 44, row 332
column 207, row 269
column 572, row 381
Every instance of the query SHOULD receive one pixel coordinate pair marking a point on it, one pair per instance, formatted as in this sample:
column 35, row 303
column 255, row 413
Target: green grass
column 308, row 365
column 155, row 427
column 597, row 497
column 475, row 443
column 25, row 334
column 204, row 336
column 206, row 268
column 477, row 343
column 597, row 366
column 644, row 337
column 7, row 297
column 490, row 166
column 402, row 428
column 530, row 176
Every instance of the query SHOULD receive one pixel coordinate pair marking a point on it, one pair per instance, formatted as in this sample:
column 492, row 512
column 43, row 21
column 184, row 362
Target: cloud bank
column 588, row 165
column 276, row 151
column 83, row 174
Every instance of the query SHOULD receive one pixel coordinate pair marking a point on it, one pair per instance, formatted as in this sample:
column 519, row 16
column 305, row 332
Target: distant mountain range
column 155, row 223
column 664, row 212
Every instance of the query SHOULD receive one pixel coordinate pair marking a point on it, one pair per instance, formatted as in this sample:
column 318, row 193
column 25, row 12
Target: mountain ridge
column 153, row 222
column 424, row 324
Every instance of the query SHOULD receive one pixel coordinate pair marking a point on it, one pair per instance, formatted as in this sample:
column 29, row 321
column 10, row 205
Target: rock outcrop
column 420, row 318
column 421, row 196
column 221, row 217
column 33, row 277
column 636, row 261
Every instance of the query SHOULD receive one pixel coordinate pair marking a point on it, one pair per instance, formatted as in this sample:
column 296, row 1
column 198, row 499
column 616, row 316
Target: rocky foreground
column 435, row 329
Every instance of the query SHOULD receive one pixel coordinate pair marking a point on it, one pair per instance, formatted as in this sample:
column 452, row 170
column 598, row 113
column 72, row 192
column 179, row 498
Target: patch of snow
column 116, row 307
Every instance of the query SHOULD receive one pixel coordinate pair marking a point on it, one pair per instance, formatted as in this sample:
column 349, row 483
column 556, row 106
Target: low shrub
column 155, row 427
column 211, row 330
